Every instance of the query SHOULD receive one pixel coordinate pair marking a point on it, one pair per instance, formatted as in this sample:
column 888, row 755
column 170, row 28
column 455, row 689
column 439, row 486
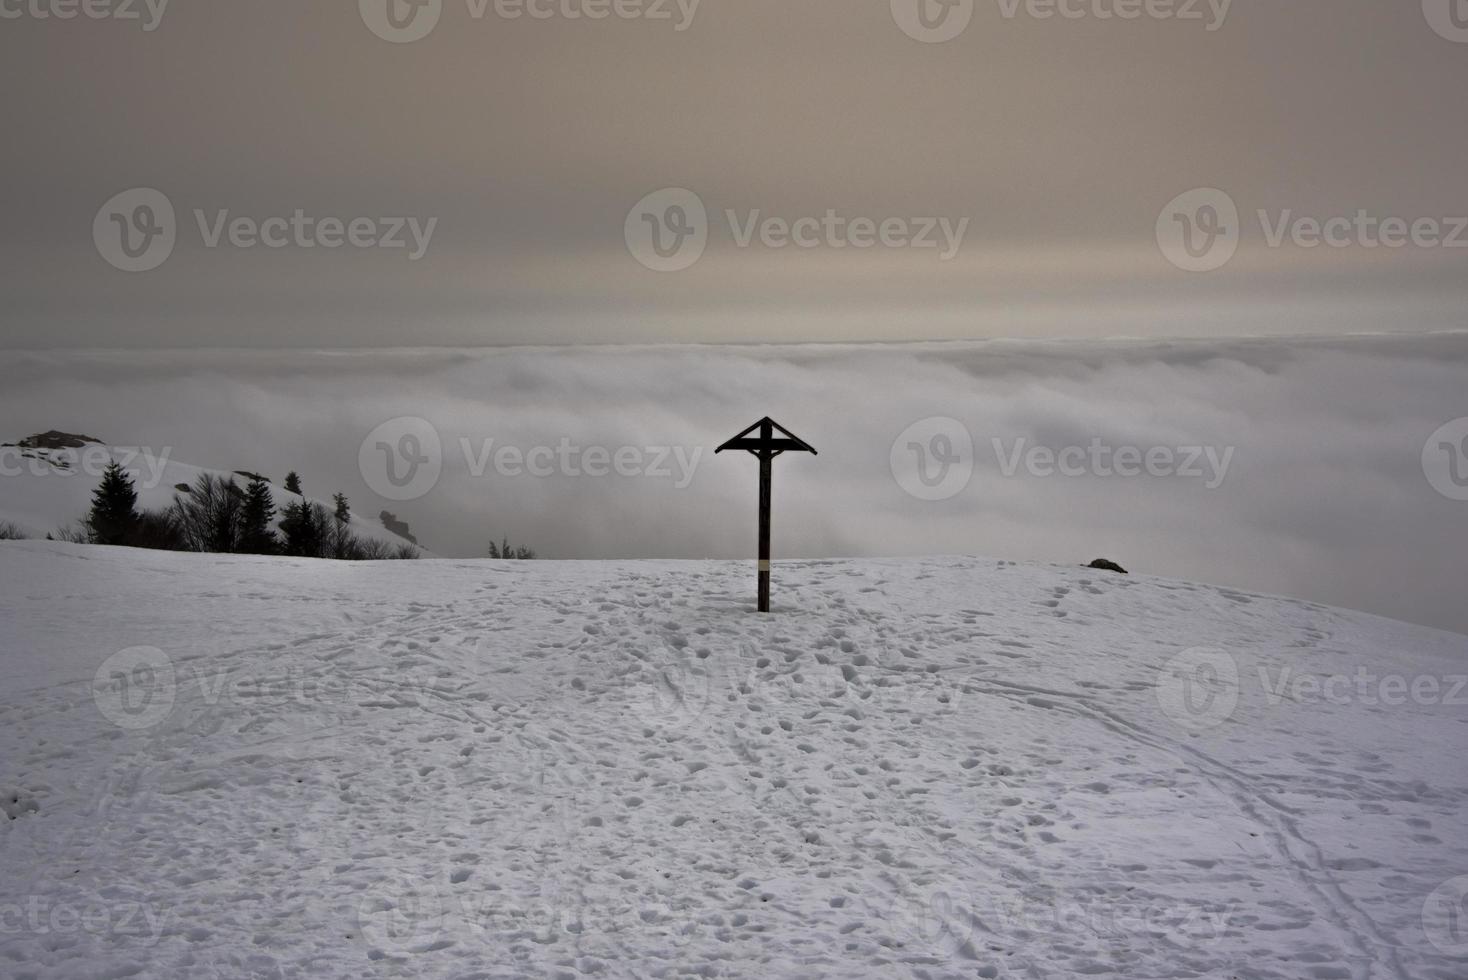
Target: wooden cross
column 766, row 446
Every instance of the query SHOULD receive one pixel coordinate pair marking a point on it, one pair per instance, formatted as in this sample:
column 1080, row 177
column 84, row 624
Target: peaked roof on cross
column 766, row 442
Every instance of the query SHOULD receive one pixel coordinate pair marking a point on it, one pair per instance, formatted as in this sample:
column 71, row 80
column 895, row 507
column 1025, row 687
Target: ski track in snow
column 928, row 768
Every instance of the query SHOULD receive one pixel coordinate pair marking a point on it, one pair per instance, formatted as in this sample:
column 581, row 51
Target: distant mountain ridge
column 55, row 439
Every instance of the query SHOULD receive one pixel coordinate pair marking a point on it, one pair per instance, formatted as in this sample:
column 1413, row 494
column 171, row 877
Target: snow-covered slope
column 224, row 766
column 42, row 490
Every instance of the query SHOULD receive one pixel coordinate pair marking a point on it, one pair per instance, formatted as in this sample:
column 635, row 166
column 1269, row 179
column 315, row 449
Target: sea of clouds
column 1277, row 465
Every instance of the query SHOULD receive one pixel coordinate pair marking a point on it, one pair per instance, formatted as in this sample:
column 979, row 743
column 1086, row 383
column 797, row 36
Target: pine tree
column 337, row 540
column 303, row 527
column 293, row 530
column 256, row 536
column 290, row 516
column 114, row 515
column 293, row 482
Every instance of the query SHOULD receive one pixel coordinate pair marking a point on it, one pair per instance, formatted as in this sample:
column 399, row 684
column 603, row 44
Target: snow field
column 945, row 767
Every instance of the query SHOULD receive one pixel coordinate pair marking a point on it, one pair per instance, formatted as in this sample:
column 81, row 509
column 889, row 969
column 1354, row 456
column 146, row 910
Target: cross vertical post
column 765, row 471
column 766, row 446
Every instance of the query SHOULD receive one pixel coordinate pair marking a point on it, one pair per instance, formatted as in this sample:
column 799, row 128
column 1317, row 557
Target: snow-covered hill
column 224, row 766
column 46, row 489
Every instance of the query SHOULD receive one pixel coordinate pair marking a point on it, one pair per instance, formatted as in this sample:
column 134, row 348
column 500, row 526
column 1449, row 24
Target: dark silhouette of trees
column 114, row 508
column 508, row 551
column 215, row 514
column 293, row 482
column 257, row 536
column 159, row 530
column 210, row 517
column 302, row 525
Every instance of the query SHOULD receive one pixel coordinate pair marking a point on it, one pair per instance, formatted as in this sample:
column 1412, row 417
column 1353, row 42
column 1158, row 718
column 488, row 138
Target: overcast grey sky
column 1059, row 139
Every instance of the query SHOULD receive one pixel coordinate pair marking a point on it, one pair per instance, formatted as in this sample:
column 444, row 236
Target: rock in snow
column 224, row 766
column 1106, row 565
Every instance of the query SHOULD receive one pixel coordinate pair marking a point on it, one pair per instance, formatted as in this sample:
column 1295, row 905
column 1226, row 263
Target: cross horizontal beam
column 765, row 445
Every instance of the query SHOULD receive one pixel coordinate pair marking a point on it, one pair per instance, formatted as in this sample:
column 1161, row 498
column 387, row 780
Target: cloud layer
column 1323, row 496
